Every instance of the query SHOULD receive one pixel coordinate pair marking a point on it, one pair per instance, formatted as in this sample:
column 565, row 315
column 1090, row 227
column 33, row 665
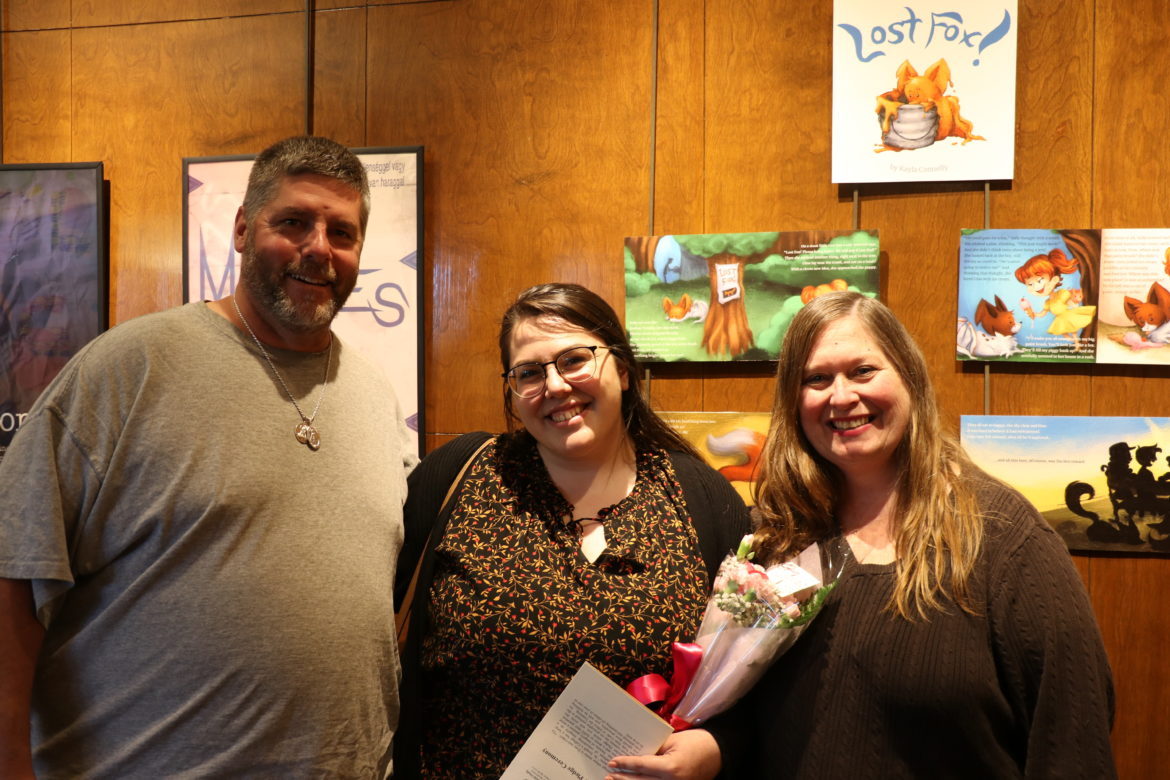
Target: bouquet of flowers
column 754, row 615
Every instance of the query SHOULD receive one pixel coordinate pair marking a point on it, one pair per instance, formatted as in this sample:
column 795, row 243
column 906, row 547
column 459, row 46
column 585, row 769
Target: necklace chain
column 305, row 432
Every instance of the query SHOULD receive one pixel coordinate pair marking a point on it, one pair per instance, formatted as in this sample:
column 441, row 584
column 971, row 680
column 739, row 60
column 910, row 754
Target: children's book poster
column 1088, row 296
column 924, row 91
column 730, row 442
column 1134, row 304
column 1103, row 483
column 716, row 297
column 1028, row 295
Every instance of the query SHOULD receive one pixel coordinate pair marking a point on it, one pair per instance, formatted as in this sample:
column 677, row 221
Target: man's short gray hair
column 300, row 155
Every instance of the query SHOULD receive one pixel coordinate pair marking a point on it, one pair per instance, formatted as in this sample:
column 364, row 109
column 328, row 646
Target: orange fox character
column 812, row 291
column 676, row 311
column 927, row 91
column 997, row 319
column 1152, row 313
column 1152, row 317
column 744, row 444
column 685, row 308
column 999, row 339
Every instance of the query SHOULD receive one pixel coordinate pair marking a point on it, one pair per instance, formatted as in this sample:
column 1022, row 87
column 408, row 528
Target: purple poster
column 52, row 277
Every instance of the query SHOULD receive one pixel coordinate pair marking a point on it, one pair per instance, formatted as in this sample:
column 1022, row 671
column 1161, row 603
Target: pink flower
column 748, row 625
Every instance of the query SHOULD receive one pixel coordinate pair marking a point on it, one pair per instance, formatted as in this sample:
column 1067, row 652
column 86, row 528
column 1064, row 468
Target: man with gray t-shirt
column 201, row 518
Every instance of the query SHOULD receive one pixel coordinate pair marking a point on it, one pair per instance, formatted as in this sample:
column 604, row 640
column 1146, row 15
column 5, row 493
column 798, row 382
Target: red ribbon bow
column 651, row 689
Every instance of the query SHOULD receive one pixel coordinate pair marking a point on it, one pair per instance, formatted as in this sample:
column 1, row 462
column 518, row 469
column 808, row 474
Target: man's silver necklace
column 305, row 432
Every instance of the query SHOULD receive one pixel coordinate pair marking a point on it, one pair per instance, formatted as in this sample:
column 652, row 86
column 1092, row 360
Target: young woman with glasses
column 590, row 531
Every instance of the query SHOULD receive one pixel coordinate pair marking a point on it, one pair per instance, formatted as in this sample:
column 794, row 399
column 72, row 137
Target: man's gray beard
column 268, row 293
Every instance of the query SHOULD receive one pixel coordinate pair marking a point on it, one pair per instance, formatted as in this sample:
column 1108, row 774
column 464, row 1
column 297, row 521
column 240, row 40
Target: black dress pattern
column 515, row 607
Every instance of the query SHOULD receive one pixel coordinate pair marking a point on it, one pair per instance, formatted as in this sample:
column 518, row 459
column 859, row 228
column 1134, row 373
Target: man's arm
column 20, row 641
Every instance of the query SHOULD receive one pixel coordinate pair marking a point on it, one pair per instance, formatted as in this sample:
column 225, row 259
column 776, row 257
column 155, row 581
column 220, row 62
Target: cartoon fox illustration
column 685, row 309
column 1115, row 530
column 1152, row 316
column 926, row 90
column 1001, row 328
column 997, row 319
column 744, row 443
column 812, row 291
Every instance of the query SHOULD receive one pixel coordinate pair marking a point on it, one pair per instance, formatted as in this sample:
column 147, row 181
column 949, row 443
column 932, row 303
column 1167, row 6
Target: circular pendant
column 302, row 432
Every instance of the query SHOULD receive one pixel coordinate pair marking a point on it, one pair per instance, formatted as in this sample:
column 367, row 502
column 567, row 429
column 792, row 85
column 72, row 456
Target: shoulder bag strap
column 402, row 618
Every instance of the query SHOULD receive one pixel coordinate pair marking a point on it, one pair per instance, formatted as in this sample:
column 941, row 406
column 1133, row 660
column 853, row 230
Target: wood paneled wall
column 554, row 129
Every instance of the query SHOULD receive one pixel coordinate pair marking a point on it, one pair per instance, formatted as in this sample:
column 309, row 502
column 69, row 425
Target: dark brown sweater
column 1021, row 690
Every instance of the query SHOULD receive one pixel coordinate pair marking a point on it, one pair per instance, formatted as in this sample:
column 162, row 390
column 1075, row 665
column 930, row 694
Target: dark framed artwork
column 53, row 297
column 384, row 316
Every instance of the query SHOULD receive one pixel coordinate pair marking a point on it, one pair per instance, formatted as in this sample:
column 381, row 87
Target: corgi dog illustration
column 927, row 91
column 685, row 309
column 999, row 336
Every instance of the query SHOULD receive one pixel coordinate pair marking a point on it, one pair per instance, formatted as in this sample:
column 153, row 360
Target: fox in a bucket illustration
column 918, row 112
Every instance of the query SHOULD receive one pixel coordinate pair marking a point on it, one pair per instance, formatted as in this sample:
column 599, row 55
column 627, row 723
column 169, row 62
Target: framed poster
column 719, row 297
column 730, row 442
column 924, row 92
column 52, row 277
column 1028, row 295
column 1103, row 483
column 1134, row 300
column 1085, row 296
column 384, row 315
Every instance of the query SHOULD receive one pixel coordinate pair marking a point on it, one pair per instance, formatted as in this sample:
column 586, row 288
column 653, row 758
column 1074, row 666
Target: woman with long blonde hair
column 804, row 496
column 959, row 640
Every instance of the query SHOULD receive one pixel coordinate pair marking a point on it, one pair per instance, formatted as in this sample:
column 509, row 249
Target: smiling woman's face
column 581, row 420
column 854, row 406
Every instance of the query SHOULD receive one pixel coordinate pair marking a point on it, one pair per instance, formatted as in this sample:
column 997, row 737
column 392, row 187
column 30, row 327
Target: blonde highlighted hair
column 936, row 526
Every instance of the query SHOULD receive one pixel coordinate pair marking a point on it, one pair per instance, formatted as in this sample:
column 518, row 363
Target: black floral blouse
column 516, row 607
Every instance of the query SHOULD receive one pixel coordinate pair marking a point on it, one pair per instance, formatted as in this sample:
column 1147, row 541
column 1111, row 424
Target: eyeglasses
column 574, row 365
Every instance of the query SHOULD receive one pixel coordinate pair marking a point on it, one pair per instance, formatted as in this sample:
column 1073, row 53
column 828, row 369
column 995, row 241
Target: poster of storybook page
column 717, row 297
column 730, row 443
column 1028, row 295
column 924, row 91
column 1103, row 483
column 1134, row 304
